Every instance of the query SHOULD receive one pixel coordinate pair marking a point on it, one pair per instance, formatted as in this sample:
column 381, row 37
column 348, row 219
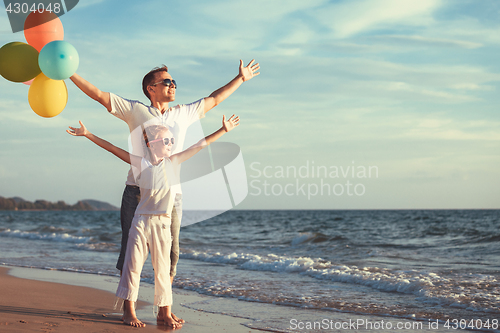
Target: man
column 160, row 88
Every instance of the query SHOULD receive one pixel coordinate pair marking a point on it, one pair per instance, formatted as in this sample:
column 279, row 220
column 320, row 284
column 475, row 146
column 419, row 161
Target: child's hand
column 82, row 131
column 231, row 123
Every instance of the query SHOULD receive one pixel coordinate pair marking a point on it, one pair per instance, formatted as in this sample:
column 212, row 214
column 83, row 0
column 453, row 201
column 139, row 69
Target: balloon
column 58, row 60
column 47, row 97
column 28, row 83
column 18, row 62
column 42, row 28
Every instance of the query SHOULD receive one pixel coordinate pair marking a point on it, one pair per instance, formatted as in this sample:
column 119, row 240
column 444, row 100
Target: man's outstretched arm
column 245, row 74
column 92, row 91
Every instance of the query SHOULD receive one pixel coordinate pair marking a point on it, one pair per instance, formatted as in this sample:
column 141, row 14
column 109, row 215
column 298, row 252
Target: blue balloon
column 58, row 60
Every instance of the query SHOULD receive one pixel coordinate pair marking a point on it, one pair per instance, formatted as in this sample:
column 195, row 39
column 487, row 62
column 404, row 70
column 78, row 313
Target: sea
column 414, row 264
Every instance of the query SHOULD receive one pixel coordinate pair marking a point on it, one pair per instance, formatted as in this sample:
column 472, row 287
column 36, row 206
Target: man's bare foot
column 133, row 321
column 177, row 319
column 168, row 321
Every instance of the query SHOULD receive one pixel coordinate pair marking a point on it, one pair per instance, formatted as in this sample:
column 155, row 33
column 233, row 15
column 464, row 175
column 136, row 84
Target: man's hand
column 82, row 131
column 249, row 71
column 245, row 74
column 231, row 123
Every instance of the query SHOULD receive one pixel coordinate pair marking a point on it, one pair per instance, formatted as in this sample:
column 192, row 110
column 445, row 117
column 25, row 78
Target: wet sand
column 29, row 305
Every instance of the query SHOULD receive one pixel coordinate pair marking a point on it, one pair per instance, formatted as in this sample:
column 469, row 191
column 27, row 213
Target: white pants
column 148, row 233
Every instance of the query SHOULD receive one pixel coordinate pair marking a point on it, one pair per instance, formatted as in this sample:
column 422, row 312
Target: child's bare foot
column 133, row 321
column 129, row 316
column 177, row 319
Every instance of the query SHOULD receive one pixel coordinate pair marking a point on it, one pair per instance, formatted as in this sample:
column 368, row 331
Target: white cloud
column 255, row 11
column 19, row 112
column 440, row 42
column 469, row 29
column 442, row 128
column 396, row 126
column 352, row 17
column 416, row 92
column 433, row 123
column 405, row 76
column 300, row 33
column 452, row 134
column 472, row 86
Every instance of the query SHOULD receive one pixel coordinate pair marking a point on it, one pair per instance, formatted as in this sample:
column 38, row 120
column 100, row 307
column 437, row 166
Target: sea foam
column 430, row 287
column 34, row 235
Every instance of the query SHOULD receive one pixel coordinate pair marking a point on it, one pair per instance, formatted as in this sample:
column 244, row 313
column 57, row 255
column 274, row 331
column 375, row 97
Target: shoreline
column 37, row 300
column 63, row 301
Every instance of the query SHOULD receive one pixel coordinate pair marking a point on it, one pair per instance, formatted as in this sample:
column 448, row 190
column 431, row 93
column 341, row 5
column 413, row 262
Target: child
column 151, row 225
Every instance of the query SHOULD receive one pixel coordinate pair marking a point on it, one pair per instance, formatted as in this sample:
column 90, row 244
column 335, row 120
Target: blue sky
column 409, row 88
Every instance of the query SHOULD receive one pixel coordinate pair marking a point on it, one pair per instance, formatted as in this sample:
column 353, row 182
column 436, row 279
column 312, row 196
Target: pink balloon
column 28, row 83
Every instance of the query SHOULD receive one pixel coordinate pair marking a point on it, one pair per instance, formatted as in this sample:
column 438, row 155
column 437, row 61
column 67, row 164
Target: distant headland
column 17, row 203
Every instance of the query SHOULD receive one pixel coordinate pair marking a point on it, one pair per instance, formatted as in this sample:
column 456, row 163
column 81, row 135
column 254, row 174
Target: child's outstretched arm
column 227, row 125
column 82, row 131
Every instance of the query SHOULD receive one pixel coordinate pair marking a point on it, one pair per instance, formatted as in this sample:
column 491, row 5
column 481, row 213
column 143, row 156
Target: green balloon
column 19, row 62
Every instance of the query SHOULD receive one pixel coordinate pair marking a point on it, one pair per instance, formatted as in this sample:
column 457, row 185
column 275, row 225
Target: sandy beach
column 37, row 300
column 29, row 305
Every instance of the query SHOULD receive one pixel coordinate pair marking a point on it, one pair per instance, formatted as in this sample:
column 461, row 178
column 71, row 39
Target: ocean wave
column 314, row 237
column 488, row 239
column 473, row 292
column 35, row 235
column 100, row 247
column 51, row 229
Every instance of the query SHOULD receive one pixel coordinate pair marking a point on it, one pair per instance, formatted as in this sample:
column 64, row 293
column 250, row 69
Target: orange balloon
column 42, row 28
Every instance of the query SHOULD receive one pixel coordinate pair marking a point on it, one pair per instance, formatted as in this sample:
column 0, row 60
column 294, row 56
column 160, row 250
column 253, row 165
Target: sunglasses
column 167, row 82
column 165, row 141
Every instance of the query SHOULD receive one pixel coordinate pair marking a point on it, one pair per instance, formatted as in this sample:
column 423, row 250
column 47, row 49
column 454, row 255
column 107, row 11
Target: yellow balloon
column 47, row 97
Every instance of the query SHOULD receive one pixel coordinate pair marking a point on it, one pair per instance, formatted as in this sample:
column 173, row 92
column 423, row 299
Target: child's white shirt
column 155, row 183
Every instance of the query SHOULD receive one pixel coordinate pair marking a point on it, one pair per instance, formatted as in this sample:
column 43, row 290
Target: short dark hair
column 150, row 77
